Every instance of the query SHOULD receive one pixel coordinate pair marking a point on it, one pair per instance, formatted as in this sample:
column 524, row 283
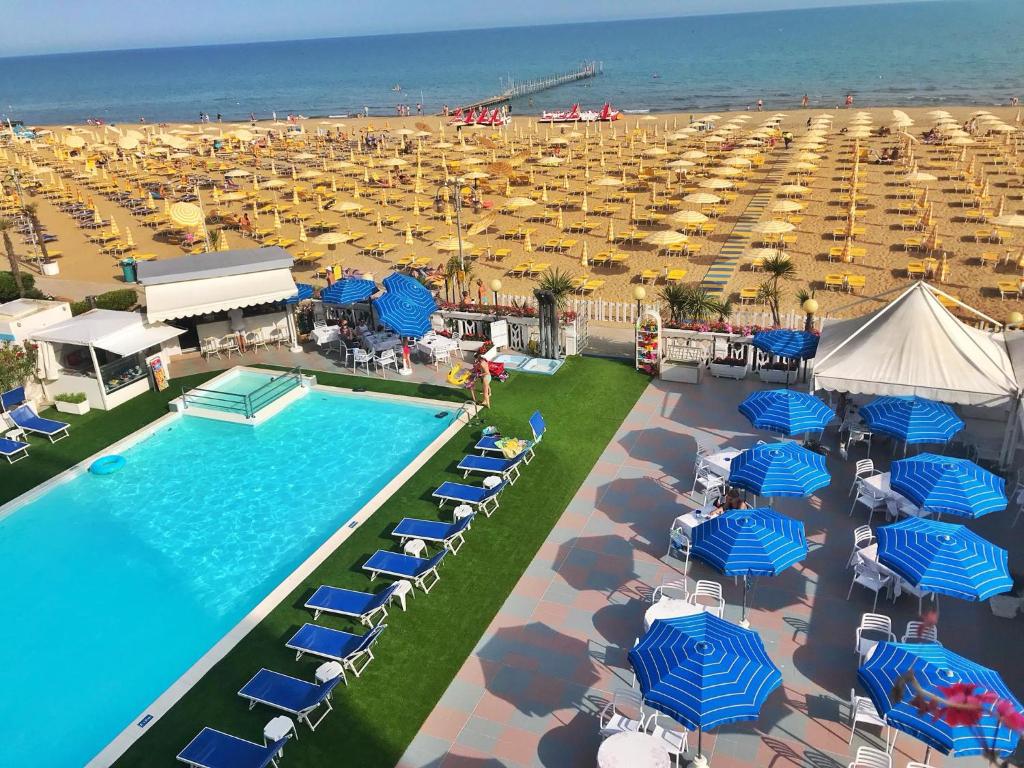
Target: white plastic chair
column 625, row 712
column 875, row 623
column 676, row 589
column 209, row 347
column 707, row 483
column 674, row 739
column 869, row 757
column 384, row 359
column 904, row 586
column 441, row 355
column 864, row 468
column 862, row 537
column 363, row 358
column 920, row 632
column 228, row 344
column 711, row 593
column 277, row 336
column 862, row 710
column 869, row 578
column 254, row 339
column 869, row 498
column 455, row 350
column 918, row 765
column 679, row 545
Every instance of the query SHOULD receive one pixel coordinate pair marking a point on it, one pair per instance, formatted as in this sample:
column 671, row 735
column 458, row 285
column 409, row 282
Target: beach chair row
column 18, row 419
column 346, row 653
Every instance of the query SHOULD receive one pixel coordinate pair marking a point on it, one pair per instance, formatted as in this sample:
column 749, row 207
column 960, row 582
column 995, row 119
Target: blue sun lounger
column 492, row 465
column 484, row 499
column 489, row 443
column 449, row 535
column 293, row 696
column 24, row 417
column 215, row 749
column 12, row 450
column 353, row 652
column 418, row 570
column 368, row 607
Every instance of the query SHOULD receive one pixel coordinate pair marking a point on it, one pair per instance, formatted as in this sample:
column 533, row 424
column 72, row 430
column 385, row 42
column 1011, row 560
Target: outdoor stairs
column 722, row 269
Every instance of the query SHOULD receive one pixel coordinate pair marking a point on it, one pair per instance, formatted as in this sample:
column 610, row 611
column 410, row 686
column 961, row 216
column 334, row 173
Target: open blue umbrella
column 703, row 671
column 935, row 667
column 348, row 291
column 787, row 343
column 779, row 469
column 947, row 484
column 944, row 558
column 786, row 411
column 406, row 305
column 750, row 542
column 912, row 419
column 303, row 291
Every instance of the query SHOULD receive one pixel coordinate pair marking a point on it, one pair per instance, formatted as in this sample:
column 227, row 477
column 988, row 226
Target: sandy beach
column 618, row 172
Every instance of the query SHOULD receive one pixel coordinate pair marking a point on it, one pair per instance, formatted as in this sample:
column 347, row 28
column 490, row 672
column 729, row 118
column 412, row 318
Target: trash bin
column 128, row 270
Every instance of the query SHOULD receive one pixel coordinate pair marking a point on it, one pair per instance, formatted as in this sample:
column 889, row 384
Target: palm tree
column 778, row 267
column 558, row 283
column 700, row 306
column 32, row 211
column 723, row 310
column 6, row 225
column 675, row 297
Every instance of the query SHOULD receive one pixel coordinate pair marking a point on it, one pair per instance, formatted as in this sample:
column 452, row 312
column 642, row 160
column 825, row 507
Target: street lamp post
column 639, row 293
column 495, row 287
column 445, row 190
column 810, row 307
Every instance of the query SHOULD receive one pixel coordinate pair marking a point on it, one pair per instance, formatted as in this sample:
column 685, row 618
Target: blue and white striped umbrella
column 406, row 306
column 945, row 558
column 912, row 419
column 786, row 411
column 348, row 291
column 779, row 469
column 703, row 671
column 948, row 485
column 303, row 291
column 787, row 343
column 935, row 667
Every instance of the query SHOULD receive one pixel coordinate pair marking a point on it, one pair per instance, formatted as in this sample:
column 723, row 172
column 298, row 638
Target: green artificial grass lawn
column 378, row 714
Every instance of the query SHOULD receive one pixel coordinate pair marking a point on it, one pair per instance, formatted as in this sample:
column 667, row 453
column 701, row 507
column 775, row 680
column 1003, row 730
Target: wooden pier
column 517, row 90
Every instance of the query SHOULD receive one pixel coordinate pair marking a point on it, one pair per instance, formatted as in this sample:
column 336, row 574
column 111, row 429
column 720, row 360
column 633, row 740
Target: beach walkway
column 532, row 691
column 722, row 269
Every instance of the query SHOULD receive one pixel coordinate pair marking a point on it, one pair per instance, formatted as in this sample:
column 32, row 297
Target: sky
column 56, row 26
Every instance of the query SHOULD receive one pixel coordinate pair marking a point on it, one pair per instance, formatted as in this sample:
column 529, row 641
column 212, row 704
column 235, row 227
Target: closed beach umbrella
column 936, row 669
column 748, row 543
column 912, row 419
column 944, row 484
column 944, row 558
column 786, row 412
column 406, row 306
column 787, row 343
column 348, row 291
column 779, row 469
column 703, row 672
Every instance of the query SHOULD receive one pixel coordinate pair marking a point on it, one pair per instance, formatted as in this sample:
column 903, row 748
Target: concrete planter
column 687, row 373
column 775, row 376
column 1004, row 606
column 76, row 408
column 726, row 371
column 50, row 268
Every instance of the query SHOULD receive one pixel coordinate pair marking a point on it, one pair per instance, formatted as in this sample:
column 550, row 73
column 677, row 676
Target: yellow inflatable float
column 457, row 377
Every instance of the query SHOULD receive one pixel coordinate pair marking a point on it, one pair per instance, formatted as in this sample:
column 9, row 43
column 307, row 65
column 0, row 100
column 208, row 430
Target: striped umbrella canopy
column 787, row 343
column 703, row 671
column 779, row 469
column 912, row 419
column 348, row 291
column 947, row 484
column 786, row 411
column 750, row 542
column 935, row 667
column 945, row 558
column 303, row 292
column 406, row 305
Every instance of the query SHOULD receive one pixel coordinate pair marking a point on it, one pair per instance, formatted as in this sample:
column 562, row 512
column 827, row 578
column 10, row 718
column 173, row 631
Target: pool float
column 457, row 378
column 107, row 465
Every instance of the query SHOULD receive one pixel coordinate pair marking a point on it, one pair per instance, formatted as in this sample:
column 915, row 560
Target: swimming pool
column 241, row 394
column 115, row 585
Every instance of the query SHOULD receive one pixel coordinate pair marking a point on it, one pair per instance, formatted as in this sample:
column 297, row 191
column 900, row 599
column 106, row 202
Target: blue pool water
column 241, row 391
column 114, row 586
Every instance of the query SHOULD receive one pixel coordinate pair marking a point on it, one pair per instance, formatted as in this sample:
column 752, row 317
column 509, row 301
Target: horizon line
column 855, row 4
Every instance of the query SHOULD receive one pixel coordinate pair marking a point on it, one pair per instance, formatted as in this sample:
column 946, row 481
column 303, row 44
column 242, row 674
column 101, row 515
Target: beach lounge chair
column 493, row 465
column 215, row 749
column 353, row 652
column 449, row 535
column 12, row 450
column 489, row 443
column 293, row 696
column 24, row 417
column 1008, row 288
column 421, row 571
column 483, row 499
column 368, row 607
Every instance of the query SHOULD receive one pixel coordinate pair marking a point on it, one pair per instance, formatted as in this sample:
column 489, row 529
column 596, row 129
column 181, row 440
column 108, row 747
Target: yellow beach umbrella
column 408, row 234
column 128, row 240
column 611, row 231
column 186, row 215
column 222, row 241
column 585, row 255
column 527, row 244
column 665, row 237
column 302, row 232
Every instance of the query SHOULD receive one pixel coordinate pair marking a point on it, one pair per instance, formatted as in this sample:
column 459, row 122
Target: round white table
column 669, row 608
column 633, row 750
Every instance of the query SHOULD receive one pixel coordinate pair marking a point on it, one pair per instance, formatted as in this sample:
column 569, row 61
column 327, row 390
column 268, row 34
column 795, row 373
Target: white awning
column 123, row 333
column 165, row 301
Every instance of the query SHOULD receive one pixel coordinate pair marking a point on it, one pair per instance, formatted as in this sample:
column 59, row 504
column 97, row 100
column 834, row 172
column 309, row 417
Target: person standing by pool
column 484, row 371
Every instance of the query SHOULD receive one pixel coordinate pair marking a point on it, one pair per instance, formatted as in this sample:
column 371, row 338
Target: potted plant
column 779, row 372
column 729, row 367
column 72, row 402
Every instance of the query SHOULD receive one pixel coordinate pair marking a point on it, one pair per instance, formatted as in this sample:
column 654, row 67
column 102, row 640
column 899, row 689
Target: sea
column 953, row 51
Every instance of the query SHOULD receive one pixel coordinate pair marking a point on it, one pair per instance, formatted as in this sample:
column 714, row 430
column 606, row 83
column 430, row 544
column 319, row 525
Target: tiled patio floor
column 531, row 692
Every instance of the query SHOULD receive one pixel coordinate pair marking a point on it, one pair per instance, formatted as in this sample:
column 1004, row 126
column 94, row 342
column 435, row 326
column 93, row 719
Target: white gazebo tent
column 100, row 353
column 915, row 346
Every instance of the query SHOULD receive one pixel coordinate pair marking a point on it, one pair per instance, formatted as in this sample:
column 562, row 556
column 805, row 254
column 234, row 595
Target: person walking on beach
column 805, row 102
column 219, row 118
column 760, row 105
column 849, row 100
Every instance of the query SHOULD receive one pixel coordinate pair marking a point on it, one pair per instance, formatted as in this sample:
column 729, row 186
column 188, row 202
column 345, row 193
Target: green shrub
column 9, row 292
column 121, row 300
column 71, row 397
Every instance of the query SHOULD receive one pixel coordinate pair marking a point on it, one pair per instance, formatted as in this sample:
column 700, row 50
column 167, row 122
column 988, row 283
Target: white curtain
column 46, row 362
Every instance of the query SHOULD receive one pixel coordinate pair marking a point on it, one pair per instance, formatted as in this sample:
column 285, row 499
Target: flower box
column 728, row 368
column 50, row 268
column 75, row 408
column 1004, row 606
column 777, row 375
column 685, row 372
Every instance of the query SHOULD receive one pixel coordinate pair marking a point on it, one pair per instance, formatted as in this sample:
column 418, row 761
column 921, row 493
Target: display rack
column 648, row 342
